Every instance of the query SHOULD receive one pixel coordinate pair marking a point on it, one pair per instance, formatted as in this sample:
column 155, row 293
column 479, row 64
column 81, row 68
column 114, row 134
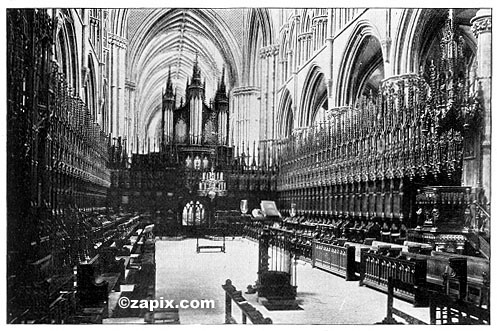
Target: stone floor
column 182, row 274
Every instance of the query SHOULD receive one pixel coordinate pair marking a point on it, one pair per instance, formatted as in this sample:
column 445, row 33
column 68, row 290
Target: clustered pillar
column 482, row 29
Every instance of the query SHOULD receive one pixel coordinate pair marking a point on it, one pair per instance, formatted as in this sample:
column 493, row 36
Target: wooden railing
column 391, row 310
column 444, row 309
column 377, row 268
column 335, row 259
column 248, row 311
column 251, row 231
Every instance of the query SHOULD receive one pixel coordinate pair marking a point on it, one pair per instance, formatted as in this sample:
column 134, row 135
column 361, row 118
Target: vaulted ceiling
column 163, row 39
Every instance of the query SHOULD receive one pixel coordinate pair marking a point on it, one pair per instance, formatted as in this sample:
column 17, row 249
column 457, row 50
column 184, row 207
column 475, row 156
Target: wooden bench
column 200, row 247
column 222, row 248
column 45, row 295
column 110, row 264
column 93, row 286
column 477, row 282
column 93, row 315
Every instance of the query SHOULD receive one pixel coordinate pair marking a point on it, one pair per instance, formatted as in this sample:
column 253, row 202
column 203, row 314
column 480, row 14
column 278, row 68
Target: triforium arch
column 307, row 16
column 119, row 21
column 314, row 98
column 419, row 31
column 362, row 67
column 292, row 44
column 284, row 48
column 311, row 34
column 285, row 120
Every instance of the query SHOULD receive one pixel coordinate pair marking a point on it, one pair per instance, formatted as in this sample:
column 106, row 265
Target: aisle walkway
column 182, row 274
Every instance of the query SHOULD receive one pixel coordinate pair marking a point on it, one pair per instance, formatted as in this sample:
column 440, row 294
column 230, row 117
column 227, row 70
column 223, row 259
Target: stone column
column 246, row 105
column 263, row 84
column 121, row 85
column 295, row 63
column 482, row 29
column 84, row 54
column 273, row 86
column 268, row 62
column 131, row 89
column 386, row 44
column 329, row 46
column 117, row 79
column 113, row 89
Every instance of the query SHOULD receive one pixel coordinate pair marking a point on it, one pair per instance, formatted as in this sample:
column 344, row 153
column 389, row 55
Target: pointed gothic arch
column 362, row 66
column 173, row 37
column 314, row 96
column 90, row 88
column 260, row 34
column 66, row 50
column 417, row 30
column 285, row 119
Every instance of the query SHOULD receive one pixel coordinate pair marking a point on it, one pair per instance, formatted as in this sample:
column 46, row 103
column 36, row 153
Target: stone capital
column 130, row 85
column 482, row 22
column 275, row 49
column 264, row 52
column 268, row 51
column 116, row 40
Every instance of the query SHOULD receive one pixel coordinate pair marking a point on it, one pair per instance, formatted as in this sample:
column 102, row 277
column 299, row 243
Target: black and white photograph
column 315, row 164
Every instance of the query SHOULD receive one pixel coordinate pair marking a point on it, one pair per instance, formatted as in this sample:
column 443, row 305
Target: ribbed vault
column 173, row 39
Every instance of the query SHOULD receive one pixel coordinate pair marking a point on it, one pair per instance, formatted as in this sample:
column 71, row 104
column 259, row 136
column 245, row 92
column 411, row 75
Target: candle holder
column 293, row 209
column 244, row 206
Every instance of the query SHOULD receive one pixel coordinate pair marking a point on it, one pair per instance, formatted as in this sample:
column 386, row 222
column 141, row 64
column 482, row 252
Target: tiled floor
column 182, row 274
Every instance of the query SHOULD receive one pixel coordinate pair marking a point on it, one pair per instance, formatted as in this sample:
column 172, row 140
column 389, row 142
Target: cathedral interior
column 319, row 155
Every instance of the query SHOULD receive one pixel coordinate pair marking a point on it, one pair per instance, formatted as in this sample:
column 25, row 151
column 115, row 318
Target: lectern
column 275, row 290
